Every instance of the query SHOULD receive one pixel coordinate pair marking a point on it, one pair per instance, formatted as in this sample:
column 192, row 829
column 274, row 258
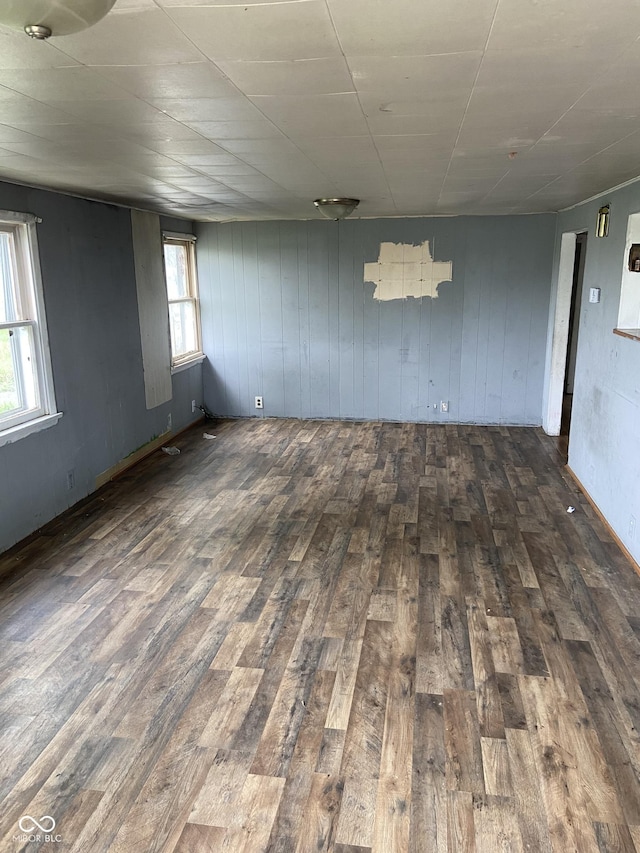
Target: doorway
column 564, row 341
column 572, row 337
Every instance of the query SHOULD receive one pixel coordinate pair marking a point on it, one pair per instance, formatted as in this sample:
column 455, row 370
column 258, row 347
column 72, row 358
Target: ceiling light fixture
column 336, row 208
column 41, row 19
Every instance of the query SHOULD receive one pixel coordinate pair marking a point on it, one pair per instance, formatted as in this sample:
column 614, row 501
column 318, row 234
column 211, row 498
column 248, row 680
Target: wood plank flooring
column 321, row 636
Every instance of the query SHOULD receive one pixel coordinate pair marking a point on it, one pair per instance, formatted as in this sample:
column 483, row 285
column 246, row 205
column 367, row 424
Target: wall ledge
column 632, row 334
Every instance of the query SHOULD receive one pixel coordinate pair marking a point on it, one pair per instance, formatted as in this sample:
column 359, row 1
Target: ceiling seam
column 466, row 110
column 364, row 115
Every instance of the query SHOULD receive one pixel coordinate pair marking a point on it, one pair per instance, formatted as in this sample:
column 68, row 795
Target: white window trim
column 180, row 363
column 48, row 415
column 8, row 436
column 179, row 366
column 178, row 235
column 19, row 217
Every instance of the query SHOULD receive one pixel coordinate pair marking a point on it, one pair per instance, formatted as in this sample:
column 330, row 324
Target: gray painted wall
column 604, row 444
column 86, row 257
column 287, row 315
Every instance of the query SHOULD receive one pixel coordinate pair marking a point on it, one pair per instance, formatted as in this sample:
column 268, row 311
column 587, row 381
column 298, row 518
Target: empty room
column 320, row 426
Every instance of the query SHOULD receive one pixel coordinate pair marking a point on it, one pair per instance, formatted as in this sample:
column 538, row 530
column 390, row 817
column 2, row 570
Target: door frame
column 559, row 334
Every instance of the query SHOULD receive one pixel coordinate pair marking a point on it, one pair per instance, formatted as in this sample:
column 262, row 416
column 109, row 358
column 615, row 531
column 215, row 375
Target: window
column 182, row 293
column 26, row 387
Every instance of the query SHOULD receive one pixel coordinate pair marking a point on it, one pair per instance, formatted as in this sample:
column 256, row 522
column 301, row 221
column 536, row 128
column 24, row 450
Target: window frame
column 196, row 356
column 31, row 314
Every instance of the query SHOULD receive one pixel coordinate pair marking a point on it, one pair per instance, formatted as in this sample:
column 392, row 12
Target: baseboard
column 140, row 454
column 600, row 515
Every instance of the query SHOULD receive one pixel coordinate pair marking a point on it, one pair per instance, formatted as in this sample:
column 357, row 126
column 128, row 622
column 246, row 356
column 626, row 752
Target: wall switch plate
column 444, row 405
column 259, row 403
column 71, row 479
column 169, row 422
column 193, row 406
column 594, row 294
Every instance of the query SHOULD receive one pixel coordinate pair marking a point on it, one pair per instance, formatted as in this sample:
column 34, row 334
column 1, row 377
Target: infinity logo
column 28, row 824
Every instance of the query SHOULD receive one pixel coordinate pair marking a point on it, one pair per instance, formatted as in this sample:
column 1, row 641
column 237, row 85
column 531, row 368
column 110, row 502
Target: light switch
column 594, row 294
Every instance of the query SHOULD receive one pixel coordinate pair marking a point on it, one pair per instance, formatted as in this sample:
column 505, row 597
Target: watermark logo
column 44, row 826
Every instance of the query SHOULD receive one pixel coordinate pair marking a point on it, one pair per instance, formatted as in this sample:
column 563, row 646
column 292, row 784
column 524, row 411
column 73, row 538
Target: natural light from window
column 182, row 293
column 26, row 389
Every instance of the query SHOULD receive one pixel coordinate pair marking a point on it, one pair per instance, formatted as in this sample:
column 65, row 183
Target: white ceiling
column 220, row 109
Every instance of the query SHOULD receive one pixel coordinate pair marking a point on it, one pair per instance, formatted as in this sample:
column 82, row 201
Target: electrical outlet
column 259, row 403
column 444, row 405
column 169, row 422
column 71, row 479
column 193, row 406
column 632, row 527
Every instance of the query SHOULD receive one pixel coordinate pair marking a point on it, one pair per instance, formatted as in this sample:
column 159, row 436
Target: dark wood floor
column 315, row 636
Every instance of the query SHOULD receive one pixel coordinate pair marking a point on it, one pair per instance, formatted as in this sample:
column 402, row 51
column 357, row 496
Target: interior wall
column 86, row 256
column 605, row 421
column 289, row 314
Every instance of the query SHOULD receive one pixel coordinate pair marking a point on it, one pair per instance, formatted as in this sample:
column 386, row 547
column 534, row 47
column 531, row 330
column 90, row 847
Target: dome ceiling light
column 336, row 208
column 41, row 19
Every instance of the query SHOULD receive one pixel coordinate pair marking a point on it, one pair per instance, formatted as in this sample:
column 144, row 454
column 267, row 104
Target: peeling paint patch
column 403, row 270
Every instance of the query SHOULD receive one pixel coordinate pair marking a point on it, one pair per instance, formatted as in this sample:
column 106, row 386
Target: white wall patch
column 404, row 270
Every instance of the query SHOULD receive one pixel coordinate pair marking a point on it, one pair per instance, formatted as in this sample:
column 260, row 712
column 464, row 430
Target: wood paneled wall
column 287, row 315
